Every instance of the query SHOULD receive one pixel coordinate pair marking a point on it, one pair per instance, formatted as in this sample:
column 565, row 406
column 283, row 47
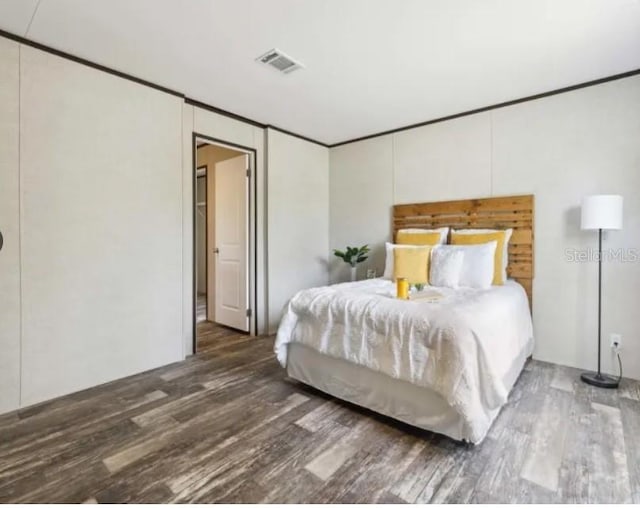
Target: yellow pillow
column 483, row 238
column 417, row 238
column 412, row 263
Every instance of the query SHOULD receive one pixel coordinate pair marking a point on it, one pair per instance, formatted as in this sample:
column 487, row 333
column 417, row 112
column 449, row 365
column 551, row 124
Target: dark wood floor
column 201, row 308
column 227, row 426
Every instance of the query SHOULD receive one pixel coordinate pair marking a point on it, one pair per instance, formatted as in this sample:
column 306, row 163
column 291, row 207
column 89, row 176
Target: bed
column 445, row 365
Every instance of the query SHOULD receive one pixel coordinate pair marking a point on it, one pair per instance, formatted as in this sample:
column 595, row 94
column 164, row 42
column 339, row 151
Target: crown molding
column 235, row 116
column 534, row 97
column 139, row 81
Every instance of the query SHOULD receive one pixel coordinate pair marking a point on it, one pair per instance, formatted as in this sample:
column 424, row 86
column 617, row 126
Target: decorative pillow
column 388, row 262
column 411, row 263
column 505, row 252
column 477, row 265
column 422, row 237
column 446, row 266
column 502, row 237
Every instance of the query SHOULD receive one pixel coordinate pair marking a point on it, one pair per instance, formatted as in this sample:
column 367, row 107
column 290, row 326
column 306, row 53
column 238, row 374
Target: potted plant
column 353, row 256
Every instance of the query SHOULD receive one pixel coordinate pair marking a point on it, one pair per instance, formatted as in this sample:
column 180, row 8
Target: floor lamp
column 601, row 212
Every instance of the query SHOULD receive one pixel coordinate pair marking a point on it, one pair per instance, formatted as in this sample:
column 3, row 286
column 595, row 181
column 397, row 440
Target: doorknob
column 216, row 251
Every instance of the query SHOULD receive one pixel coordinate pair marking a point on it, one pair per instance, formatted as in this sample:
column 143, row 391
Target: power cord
column 620, row 363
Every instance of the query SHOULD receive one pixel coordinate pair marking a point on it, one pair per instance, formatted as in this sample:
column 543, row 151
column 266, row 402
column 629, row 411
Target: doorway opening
column 223, row 247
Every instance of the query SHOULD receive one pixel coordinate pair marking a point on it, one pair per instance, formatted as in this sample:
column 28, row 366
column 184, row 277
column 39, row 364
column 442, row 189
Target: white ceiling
column 370, row 65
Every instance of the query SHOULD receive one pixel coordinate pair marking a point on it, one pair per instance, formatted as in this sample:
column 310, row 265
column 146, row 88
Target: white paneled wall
column 559, row 148
column 456, row 155
column 96, row 213
column 361, row 196
column 298, row 215
column 187, row 229
column 96, row 188
column 101, row 222
column 224, row 128
column 9, row 227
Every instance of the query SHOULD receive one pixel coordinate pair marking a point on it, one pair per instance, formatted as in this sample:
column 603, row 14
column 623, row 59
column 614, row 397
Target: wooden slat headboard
column 515, row 212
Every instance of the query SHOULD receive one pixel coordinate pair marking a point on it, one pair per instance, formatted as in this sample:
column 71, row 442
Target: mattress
column 464, row 348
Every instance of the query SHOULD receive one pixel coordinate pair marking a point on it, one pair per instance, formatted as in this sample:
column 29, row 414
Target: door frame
column 252, row 225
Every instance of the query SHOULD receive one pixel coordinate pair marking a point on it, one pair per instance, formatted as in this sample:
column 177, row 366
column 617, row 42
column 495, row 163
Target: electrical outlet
column 616, row 341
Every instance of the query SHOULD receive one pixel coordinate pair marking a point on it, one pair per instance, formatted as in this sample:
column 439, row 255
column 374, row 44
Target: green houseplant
column 353, row 256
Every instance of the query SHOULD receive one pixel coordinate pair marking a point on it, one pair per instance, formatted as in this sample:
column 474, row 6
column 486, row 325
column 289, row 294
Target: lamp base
column 600, row 380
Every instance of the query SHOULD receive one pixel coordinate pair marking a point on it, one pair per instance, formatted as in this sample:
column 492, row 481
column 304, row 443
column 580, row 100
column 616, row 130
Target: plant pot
column 354, row 273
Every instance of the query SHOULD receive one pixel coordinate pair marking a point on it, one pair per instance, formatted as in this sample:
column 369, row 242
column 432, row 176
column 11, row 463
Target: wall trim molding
column 291, row 133
column 214, row 109
column 513, row 102
column 246, row 120
column 235, row 116
column 88, row 63
column 68, row 56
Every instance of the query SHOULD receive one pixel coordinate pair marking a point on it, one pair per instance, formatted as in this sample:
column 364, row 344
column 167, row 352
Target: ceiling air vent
column 279, row 61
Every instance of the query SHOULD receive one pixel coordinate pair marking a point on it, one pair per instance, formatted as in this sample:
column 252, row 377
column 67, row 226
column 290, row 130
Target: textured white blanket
column 461, row 347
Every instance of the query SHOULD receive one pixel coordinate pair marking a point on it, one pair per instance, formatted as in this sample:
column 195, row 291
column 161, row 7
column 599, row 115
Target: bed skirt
column 401, row 400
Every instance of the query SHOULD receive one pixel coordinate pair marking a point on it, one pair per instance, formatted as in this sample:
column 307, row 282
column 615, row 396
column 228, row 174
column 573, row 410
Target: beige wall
column 101, row 247
column 559, row 148
column 122, row 257
column 298, row 215
column 361, row 195
column 105, row 258
column 9, row 226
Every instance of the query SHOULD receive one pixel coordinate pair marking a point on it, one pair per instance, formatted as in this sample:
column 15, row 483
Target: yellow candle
column 402, row 286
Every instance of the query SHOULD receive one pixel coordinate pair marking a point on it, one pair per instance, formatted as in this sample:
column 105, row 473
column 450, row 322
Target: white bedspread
column 460, row 347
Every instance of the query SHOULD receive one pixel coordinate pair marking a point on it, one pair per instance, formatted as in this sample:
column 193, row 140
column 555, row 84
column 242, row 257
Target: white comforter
column 461, row 347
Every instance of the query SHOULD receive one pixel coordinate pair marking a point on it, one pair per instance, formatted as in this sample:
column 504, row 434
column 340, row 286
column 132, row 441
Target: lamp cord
column 620, row 363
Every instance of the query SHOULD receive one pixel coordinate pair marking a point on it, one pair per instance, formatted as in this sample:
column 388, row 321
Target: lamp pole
column 599, row 299
column 598, row 379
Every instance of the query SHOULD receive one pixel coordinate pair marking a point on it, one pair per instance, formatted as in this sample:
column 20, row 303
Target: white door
column 231, row 240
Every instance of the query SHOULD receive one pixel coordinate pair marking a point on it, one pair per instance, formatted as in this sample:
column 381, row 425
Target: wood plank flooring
column 201, row 308
column 228, row 426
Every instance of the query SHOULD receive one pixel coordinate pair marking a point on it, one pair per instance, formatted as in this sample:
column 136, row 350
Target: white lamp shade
column 602, row 211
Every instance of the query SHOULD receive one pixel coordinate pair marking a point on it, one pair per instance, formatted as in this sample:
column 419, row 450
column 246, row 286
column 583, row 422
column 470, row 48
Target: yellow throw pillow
column 483, row 238
column 412, row 263
column 418, row 238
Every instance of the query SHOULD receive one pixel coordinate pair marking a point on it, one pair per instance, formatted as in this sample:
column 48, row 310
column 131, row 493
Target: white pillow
column 477, row 264
column 446, row 267
column 388, row 261
column 505, row 250
column 442, row 231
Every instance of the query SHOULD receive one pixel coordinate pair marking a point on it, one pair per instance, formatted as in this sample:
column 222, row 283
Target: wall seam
column 328, row 215
column 267, row 324
column 265, row 228
column 20, row 226
column 182, row 303
column 491, row 153
column 190, row 259
column 329, row 259
column 393, row 171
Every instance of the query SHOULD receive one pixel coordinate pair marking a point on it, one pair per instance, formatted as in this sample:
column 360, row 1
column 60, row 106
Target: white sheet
column 460, row 347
